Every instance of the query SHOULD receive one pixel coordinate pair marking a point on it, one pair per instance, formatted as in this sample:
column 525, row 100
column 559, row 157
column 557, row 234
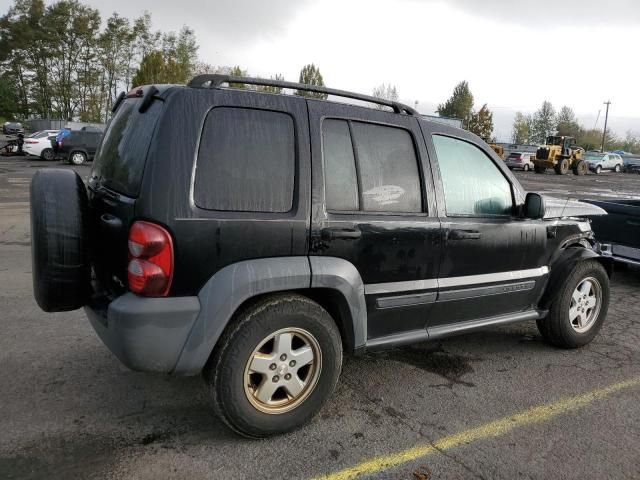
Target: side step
column 443, row 331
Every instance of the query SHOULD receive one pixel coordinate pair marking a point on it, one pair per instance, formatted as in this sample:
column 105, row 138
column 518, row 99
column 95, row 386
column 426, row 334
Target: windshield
column 593, row 158
column 121, row 157
column 554, row 140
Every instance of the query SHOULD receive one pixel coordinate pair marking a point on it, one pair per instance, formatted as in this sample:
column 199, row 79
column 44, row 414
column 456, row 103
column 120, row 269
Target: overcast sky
column 513, row 53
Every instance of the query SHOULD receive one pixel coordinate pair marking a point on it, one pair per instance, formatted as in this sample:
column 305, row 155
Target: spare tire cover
column 59, row 240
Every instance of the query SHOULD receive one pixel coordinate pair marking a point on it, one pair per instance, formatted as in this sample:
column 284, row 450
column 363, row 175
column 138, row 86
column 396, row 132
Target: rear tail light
column 150, row 270
column 31, row 142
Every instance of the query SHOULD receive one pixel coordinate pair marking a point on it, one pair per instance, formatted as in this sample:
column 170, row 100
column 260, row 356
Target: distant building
column 516, row 147
column 35, row 125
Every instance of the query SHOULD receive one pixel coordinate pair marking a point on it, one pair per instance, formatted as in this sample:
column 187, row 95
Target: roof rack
column 216, row 80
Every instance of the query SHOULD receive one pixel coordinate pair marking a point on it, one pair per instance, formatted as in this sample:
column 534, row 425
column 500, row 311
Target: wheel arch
column 564, row 263
column 333, row 283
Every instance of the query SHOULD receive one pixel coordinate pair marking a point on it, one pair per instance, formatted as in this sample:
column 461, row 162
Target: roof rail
column 216, row 80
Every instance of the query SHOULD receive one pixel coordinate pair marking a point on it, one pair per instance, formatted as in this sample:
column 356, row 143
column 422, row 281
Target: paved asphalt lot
column 68, row 409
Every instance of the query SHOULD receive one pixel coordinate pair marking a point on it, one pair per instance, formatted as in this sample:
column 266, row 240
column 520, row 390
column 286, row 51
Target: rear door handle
column 340, row 233
column 464, row 235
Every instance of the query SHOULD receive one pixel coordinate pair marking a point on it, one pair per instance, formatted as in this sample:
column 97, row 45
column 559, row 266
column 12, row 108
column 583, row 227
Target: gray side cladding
column 341, row 275
column 226, row 291
column 223, row 294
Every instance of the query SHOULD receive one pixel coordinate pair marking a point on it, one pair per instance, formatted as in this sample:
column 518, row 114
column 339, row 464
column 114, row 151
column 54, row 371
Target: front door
column 374, row 207
column 493, row 261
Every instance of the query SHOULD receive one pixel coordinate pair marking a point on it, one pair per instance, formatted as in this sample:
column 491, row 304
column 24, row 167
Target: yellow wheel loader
column 560, row 153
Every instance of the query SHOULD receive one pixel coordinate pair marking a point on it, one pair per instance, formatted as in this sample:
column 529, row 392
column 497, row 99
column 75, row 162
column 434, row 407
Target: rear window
column 121, row 157
column 515, row 155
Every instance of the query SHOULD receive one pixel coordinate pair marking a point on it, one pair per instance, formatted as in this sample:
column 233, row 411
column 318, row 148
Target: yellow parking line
column 496, row 428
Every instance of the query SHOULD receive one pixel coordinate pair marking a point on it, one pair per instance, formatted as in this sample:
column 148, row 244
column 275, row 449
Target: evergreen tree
column 459, row 105
column 310, row 75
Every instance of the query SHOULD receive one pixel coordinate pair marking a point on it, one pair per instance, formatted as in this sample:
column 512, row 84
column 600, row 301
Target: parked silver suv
column 597, row 162
column 520, row 160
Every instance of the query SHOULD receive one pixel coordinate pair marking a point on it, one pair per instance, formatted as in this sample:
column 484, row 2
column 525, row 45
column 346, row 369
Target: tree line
column 58, row 61
column 534, row 129
column 460, row 106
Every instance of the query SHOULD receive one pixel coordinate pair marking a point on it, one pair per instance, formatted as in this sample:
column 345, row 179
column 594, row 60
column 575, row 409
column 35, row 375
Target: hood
column 561, row 208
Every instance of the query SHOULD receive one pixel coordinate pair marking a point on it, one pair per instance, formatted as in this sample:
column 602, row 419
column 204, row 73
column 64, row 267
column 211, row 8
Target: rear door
column 493, row 261
column 114, row 185
column 373, row 206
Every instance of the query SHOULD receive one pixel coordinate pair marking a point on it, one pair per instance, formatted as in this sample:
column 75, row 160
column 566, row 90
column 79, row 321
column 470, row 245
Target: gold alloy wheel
column 282, row 370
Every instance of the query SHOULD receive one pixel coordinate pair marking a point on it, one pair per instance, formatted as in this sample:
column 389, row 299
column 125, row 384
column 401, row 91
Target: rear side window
column 370, row 167
column 246, row 161
column 121, row 157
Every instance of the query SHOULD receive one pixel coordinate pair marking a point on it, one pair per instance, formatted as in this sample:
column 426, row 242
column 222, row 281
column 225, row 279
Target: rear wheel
column 47, row 154
column 580, row 168
column 617, row 169
column 526, row 167
column 562, row 167
column 275, row 366
column 77, row 158
column 580, row 308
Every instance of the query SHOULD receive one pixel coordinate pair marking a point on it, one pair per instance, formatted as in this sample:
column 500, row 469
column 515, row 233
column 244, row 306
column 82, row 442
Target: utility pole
column 606, row 117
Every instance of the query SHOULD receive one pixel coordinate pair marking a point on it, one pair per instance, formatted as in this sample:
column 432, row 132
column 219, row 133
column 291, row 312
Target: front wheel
column 598, row 170
column 562, row 167
column 580, row 307
column 580, row 168
column 275, row 366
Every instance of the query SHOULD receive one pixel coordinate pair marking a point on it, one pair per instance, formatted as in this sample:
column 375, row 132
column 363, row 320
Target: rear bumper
column 146, row 334
column 516, row 165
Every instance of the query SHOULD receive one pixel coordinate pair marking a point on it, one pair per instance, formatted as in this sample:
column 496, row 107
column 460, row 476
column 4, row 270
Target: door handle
column 464, row 235
column 340, row 233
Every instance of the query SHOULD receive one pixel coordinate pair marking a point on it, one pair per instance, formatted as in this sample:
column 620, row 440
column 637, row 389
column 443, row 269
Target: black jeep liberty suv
column 256, row 237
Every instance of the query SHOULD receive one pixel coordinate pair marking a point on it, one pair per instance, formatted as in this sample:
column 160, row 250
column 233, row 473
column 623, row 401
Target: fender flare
column 234, row 284
column 563, row 264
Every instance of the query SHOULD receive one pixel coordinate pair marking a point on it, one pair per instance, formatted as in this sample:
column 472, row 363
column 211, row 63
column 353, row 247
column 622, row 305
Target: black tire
column 225, row 371
column 617, row 168
column 77, row 158
column 598, row 170
column 580, row 168
column 556, row 328
column 59, row 240
column 47, row 154
column 526, row 167
column 562, row 167
column 538, row 169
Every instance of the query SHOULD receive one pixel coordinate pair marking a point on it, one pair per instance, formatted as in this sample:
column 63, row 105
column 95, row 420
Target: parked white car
column 598, row 162
column 39, row 144
column 520, row 160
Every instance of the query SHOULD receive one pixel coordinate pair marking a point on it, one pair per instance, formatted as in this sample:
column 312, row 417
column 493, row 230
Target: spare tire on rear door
column 59, row 240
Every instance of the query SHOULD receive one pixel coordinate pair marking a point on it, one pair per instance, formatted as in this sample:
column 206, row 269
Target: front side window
column 370, row 167
column 473, row 184
column 246, row 161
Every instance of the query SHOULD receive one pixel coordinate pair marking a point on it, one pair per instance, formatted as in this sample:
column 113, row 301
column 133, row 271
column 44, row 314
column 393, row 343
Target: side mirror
column 534, row 206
